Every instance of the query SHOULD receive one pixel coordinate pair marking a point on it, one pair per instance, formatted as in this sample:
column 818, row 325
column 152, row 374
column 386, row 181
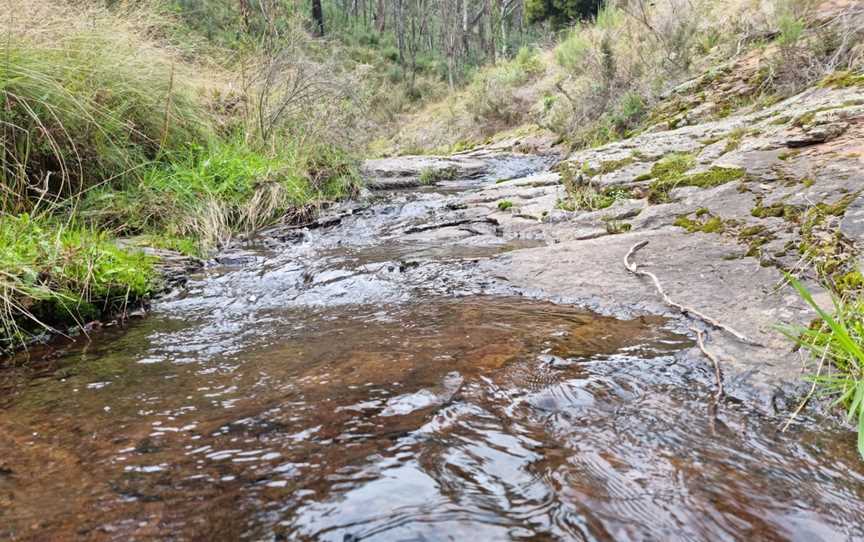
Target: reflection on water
column 321, row 393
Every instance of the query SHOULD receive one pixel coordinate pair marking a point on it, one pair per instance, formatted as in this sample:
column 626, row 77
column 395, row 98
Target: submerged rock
column 425, row 398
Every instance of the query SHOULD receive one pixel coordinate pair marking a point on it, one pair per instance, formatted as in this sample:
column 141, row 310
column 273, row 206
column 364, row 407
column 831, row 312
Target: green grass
column 54, row 275
column 840, row 339
column 503, row 205
column 209, row 193
column 431, row 175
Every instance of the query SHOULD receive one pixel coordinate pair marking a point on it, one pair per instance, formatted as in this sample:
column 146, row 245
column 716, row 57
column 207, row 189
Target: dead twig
column 634, row 268
column 718, row 374
column 812, row 389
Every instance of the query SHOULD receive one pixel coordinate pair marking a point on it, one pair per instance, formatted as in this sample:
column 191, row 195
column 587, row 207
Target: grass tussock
column 583, row 194
column 86, row 108
column 838, row 342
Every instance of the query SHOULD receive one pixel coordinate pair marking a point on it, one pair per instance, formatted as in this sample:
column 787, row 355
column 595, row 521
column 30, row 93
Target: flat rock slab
column 701, row 271
column 406, row 171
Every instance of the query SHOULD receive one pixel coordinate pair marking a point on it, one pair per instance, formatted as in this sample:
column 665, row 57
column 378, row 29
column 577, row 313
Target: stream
column 360, row 380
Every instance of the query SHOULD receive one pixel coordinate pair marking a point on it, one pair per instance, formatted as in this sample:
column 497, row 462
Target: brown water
column 356, row 383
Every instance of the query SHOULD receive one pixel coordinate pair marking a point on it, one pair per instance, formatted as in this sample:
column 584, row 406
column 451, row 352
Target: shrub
column 571, row 53
column 791, row 29
column 491, row 96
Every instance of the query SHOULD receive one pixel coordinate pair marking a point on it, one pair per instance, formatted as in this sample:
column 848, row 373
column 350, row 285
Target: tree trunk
column 466, row 45
column 450, row 71
column 317, row 18
column 381, row 17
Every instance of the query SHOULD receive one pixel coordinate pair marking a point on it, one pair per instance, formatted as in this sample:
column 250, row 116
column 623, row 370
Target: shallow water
column 360, row 383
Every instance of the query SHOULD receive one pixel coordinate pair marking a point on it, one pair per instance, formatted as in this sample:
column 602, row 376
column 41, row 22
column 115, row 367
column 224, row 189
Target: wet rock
column 581, row 260
column 173, row 267
column 238, row 258
column 852, row 224
column 425, row 398
column 702, row 271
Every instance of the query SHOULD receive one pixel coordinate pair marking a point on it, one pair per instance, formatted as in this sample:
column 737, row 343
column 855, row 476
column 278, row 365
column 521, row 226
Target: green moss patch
column 673, row 175
column 704, row 223
column 778, row 210
column 755, row 237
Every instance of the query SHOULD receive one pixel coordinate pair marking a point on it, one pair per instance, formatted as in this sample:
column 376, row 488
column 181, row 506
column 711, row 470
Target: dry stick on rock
column 634, row 268
column 718, row 374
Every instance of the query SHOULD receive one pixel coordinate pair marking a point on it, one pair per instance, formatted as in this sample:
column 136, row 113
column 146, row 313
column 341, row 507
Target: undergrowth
column 209, row 193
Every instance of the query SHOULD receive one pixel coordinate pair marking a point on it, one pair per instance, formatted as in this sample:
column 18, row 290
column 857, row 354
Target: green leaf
column 861, row 433
column 857, row 405
column 840, row 332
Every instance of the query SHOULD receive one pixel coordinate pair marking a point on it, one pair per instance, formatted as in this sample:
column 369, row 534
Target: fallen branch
column 634, row 268
column 718, row 374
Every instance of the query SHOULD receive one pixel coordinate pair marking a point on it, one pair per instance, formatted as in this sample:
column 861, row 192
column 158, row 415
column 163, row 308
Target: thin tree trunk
column 317, row 18
column 465, row 35
column 381, row 17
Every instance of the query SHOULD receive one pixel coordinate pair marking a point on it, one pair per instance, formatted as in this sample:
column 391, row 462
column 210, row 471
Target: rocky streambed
column 459, row 355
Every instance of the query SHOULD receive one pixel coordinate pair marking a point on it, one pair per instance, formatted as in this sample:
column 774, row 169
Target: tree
column 561, row 12
column 317, row 18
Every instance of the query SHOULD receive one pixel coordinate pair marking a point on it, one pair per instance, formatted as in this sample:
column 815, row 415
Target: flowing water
column 357, row 382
